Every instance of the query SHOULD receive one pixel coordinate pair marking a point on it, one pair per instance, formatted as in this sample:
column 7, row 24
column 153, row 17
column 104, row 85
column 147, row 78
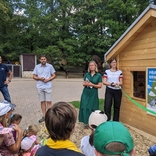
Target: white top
column 44, row 71
column 86, row 148
column 113, row 76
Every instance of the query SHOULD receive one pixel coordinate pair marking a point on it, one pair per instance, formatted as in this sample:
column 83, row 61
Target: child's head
column 60, row 120
column 113, row 138
column 31, row 130
column 15, row 119
column 96, row 118
column 28, row 143
column 6, row 109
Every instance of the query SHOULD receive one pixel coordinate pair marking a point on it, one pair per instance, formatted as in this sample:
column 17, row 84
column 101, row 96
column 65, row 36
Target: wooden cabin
column 135, row 52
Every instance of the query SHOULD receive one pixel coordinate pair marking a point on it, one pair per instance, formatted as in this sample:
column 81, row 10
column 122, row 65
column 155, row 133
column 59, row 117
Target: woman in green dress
column 89, row 97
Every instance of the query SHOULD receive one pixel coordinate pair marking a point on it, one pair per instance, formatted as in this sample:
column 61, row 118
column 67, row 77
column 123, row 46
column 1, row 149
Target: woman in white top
column 113, row 80
column 96, row 118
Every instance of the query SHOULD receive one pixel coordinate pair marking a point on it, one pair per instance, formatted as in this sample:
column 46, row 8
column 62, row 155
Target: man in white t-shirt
column 44, row 73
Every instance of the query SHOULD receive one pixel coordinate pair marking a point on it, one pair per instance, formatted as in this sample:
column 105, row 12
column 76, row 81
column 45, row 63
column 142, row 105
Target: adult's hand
column 116, row 85
column 6, row 82
column 85, row 83
column 42, row 78
column 46, row 80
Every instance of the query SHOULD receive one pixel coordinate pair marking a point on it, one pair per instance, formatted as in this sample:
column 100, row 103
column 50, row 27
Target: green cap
column 109, row 132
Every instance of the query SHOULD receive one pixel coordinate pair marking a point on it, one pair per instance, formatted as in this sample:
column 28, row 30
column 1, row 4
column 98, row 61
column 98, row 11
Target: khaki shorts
column 44, row 94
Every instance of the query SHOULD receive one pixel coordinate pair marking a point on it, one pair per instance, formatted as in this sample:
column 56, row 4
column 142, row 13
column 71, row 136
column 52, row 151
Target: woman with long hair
column 89, row 98
column 113, row 80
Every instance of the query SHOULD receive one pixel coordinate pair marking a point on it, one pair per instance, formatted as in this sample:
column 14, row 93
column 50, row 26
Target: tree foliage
column 73, row 30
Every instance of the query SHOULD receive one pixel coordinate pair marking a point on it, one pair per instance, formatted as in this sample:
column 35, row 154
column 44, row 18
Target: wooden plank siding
column 135, row 52
column 134, row 68
column 135, row 117
column 147, row 19
column 138, row 63
column 138, row 54
column 148, row 32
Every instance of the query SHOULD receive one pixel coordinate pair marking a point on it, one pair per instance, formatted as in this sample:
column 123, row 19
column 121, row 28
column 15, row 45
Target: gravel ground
column 142, row 143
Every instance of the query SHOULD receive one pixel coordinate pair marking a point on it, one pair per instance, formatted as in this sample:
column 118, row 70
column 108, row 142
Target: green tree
column 7, row 23
column 74, row 30
column 100, row 23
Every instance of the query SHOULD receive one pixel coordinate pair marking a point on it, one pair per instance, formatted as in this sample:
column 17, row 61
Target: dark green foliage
column 74, row 30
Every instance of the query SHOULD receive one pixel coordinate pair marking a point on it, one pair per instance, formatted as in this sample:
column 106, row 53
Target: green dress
column 89, row 98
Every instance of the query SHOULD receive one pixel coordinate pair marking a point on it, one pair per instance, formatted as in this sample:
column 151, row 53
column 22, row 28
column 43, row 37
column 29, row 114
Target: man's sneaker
column 41, row 120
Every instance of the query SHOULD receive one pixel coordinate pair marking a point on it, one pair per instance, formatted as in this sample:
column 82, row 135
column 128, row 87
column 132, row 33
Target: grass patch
column 101, row 105
column 77, row 104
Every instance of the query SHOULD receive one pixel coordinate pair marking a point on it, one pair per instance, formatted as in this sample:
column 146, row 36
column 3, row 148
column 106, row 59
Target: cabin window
column 139, row 84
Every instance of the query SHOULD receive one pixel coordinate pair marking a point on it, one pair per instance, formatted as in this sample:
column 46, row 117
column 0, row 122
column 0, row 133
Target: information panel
column 151, row 88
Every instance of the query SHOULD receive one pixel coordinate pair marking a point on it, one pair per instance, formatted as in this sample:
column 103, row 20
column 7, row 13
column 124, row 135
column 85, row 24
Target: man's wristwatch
column 9, row 80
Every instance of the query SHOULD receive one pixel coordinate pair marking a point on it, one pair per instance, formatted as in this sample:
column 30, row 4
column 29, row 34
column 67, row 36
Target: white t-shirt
column 86, row 148
column 113, row 76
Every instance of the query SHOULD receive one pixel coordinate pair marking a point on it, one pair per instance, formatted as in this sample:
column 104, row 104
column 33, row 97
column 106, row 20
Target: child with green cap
column 113, row 138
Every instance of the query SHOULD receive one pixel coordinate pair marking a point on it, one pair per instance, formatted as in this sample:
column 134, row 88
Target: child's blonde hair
column 31, row 130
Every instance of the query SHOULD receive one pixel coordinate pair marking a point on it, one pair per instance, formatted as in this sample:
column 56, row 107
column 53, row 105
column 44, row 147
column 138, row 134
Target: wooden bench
column 75, row 70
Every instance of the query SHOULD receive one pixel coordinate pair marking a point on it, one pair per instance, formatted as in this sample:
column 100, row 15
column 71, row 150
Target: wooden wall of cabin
column 138, row 55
